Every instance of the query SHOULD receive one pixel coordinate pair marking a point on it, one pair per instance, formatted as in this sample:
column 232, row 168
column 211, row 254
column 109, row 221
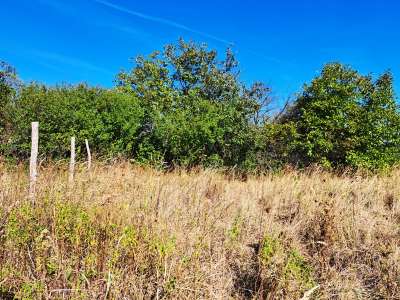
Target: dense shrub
column 274, row 147
column 109, row 120
column 204, row 133
column 346, row 119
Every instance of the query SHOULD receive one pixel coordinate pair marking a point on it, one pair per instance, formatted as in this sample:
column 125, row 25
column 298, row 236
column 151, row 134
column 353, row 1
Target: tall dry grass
column 124, row 232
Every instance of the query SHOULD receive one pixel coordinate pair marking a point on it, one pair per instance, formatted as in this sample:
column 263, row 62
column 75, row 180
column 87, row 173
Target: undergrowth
column 125, row 232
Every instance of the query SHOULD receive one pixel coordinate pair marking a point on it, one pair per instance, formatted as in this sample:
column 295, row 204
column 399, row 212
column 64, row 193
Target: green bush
column 204, row 133
column 346, row 119
column 109, row 120
column 274, row 147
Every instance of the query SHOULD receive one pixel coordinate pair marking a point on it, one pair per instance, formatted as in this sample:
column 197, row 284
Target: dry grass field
column 125, row 232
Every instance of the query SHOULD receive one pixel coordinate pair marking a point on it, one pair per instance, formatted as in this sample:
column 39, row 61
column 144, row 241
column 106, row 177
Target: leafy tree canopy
column 188, row 71
column 345, row 118
column 197, row 109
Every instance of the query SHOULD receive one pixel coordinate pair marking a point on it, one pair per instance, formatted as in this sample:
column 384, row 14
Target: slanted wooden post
column 89, row 165
column 33, row 161
column 72, row 162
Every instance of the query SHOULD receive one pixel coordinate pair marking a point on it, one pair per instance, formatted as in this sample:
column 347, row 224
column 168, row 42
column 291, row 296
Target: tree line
column 184, row 106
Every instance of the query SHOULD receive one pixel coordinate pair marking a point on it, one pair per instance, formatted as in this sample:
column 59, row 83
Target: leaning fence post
column 88, row 154
column 72, row 162
column 33, row 161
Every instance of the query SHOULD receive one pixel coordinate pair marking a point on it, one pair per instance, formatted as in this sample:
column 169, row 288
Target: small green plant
column 129, row 239
column 235, row 230
column 22, row 227
column 270, row 246
column 30, row 291
column 73, row 225
column 284, row 266
column 164, row 246
column 298, row 269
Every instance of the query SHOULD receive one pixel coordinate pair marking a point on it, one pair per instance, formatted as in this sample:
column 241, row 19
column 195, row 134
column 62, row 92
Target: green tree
column 378, row 136
column 344, row 118
column 196, row 108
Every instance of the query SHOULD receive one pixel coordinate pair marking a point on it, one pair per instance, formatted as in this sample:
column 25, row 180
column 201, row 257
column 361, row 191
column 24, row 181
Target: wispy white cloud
column 163, row 21
column 56, row 58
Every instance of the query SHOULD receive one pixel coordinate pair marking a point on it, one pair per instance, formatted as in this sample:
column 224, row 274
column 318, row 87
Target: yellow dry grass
column 125, row 232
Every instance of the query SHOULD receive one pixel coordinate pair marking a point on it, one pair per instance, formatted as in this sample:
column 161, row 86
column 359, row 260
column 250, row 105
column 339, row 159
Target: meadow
column 123, row 231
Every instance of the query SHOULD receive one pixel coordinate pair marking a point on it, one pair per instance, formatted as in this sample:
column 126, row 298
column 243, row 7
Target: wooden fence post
column 88, row 154
column 33, row 161
column 72, row 162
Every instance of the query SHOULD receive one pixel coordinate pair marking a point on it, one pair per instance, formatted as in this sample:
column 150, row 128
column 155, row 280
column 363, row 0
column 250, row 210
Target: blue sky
column 282, row 43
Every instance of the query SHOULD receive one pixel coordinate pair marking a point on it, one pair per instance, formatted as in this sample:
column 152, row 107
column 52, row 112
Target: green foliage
column 109, row 120
column 164, row 246
column 345, row 119
column 22, row 227
column 269, row 248
column 184, row 107
column 8, row 89
column 298, row 269
column 179, row 107
column 30, row 291
column 72, row 225
column 274, row 146
column 210, row 134
column 235, row 230
column 197, row 111
column 284, row 267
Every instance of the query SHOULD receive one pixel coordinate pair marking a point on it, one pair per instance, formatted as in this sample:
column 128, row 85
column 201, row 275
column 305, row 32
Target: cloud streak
column 176, row 25
column 163, row 21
